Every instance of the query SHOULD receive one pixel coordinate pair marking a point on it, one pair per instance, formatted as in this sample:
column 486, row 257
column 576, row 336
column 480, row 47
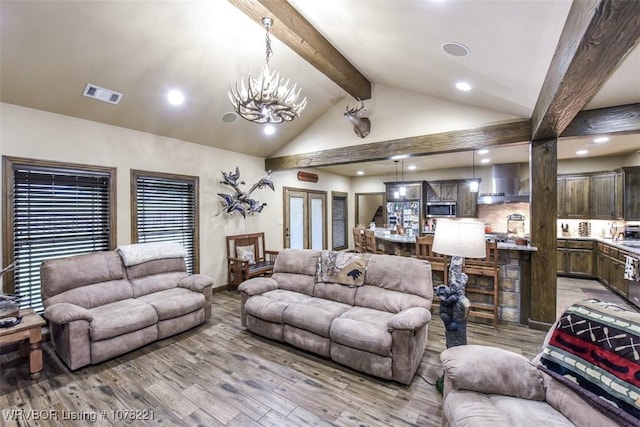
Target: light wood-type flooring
column 218, row 374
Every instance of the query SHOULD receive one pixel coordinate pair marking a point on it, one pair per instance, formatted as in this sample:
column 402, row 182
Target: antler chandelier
column 267, row 99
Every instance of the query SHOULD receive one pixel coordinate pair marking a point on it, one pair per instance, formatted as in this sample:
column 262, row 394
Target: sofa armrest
column 409, row 319
column 258, row 285
column 195, row 282
column 492, row 370
column 65, row 312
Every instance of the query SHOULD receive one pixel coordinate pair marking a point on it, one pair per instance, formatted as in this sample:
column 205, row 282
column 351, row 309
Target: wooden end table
column 29, row 334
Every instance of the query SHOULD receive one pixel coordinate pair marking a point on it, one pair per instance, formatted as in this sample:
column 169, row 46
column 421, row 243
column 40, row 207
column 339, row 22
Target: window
column 53, row 210
column 339, row 220
column 165, row 209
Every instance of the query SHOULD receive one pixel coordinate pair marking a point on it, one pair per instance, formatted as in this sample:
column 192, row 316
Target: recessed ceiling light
column 485, row 160
column 601, row 140
column 411, row 167
column 175, row 97
column 269, row 130
column 582, row 152
column 483, row 152
column 463, row 86
column 399, row 156
column 455, row 49
column 360, row 172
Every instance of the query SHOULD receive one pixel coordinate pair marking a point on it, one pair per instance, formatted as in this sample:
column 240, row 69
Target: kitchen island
column 514, row 277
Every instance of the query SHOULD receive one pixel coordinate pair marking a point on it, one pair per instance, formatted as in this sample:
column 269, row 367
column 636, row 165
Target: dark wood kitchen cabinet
column 603, row 194
column 442, row 191
column 618, row 210
column 575, row 258
column 467, row 201
column 573, row 196
column 631, row 193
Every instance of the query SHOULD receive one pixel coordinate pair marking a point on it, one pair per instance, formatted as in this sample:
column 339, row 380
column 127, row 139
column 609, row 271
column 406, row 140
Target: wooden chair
column 370, row 243
column 487, row 266
column 240, row 269
column 424, row 250
column 358, row 238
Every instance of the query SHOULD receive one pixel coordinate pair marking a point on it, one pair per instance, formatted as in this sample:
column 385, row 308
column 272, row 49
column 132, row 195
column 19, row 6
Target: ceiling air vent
column 102, row 94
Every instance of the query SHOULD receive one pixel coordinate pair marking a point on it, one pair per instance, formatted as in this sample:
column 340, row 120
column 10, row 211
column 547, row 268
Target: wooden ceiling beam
column 597, row 36
column 623, row 119
column 446, row 142
column 296, row 32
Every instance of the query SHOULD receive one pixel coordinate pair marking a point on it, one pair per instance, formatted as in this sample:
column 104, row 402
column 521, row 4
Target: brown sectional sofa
column 378, row 327
column 104, row 304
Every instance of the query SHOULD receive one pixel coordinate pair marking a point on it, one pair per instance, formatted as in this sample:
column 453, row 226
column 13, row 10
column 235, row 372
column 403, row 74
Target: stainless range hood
column 506, row 186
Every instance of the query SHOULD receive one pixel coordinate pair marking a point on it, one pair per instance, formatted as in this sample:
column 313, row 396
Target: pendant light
column 403, row 190
column 474, row 185
column 396, row 194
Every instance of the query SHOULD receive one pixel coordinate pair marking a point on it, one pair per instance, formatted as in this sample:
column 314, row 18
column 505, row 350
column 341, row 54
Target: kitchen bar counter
column 514, row 277
column 411, row 240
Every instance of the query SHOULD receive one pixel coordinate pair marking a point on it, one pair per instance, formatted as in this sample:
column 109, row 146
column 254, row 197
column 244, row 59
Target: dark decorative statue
column 454, row 305
column 240, row 201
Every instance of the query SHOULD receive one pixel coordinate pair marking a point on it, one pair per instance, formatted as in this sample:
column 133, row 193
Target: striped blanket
column 595, row 351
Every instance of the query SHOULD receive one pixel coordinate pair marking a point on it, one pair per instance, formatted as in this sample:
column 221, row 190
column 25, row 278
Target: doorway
column 369, row 208
column 305, row 219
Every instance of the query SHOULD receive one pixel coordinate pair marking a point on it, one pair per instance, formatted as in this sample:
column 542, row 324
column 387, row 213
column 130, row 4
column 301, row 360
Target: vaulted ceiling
column 50, row 50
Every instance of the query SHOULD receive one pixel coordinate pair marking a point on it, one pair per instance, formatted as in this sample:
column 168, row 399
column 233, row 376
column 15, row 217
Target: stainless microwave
column 441, row 209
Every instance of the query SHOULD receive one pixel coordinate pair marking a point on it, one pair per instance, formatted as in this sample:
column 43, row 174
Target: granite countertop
column 619, row 244
column 411, row 239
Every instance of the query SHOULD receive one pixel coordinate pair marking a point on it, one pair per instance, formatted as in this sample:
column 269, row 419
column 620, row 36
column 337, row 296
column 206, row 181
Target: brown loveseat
column 105, row 304
column 377, row 324
column 586, row 375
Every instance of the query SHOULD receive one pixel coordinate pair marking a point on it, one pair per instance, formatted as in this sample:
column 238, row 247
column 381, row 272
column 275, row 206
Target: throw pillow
column 246, row 253
column 594, row 351
column 342, row 267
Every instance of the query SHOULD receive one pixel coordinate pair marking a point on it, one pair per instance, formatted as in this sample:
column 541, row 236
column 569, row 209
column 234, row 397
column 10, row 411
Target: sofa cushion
column 335, row 292
column 295, row 282
column 364, row 329
column 86, row 280
column 503, row 372
column 119, row 318
column 388, row 300
column 174, row 302
column 272, row 304
column 402, row 274
column 314, row 314
column 464, row 408
column 298, row 261
column 155, row 283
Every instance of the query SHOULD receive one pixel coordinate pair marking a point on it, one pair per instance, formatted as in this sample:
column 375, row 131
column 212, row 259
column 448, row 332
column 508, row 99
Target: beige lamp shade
column 463, row 238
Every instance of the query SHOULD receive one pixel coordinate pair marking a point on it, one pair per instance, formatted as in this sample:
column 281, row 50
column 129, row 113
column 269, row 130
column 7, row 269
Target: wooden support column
column 543, row 172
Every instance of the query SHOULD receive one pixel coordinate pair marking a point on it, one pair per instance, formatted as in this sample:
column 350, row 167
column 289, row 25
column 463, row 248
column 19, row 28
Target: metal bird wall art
column 240, row 201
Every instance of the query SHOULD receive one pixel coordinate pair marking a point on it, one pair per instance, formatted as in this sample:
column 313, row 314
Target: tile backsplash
column 496, row 215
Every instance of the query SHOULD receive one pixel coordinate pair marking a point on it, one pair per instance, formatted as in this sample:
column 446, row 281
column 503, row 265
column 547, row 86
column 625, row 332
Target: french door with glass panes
column 305, row 213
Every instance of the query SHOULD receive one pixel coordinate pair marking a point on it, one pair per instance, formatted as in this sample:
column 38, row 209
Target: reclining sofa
column 104, row 304
column 587, row 375
column 367, row 312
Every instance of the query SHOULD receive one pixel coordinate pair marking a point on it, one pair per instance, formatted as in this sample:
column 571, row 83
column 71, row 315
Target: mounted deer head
column 361, row 125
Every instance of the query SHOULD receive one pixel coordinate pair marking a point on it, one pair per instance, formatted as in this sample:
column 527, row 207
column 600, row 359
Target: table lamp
column 460, row 239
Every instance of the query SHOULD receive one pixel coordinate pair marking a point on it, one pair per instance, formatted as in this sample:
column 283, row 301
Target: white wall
column 37, row 134
column 394, row 114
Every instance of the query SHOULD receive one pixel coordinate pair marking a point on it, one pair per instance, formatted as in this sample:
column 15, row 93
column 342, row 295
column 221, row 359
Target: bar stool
column 487, row 266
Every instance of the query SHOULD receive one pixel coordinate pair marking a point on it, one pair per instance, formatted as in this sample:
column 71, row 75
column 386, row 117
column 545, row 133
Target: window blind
column 56, row 213
column 339, row 222
column 166, row 212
